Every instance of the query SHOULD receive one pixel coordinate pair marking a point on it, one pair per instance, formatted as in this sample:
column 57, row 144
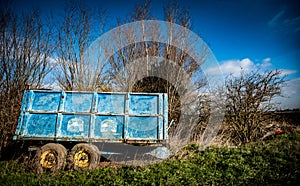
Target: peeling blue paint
column 78, row 102
column 143, row 104
column 46, row 102
column 93, row 116
column 108, row 127
column 111, row 103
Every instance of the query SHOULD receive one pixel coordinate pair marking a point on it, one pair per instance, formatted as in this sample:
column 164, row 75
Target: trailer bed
column 93, row 117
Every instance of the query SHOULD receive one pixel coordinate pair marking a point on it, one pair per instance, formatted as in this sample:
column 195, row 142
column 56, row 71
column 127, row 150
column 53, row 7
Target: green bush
column 273, row 162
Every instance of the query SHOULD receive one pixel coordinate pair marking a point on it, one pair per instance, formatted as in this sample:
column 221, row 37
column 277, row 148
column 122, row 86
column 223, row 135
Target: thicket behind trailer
column 85, row 118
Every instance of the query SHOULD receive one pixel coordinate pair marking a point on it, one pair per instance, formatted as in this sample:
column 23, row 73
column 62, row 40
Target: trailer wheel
column 84, row 157
column 51, row 157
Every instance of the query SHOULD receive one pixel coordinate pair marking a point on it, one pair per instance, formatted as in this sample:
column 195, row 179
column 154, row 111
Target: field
column 272, row 162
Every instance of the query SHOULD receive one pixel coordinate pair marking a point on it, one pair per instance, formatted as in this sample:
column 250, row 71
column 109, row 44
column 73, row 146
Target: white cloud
column 266, row 63
column 291, row 95
column 292, row 87
column 51, row 85
column 287, row 72
column 290, row 92
column 233, row 67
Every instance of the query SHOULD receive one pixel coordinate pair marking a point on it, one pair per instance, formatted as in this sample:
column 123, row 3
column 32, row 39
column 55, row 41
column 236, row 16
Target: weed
column 272, row 162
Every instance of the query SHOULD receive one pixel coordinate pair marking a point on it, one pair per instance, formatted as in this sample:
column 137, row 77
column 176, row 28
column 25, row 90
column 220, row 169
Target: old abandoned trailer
column 73, row 127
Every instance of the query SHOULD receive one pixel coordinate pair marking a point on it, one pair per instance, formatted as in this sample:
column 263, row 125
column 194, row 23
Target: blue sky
column 249, row 33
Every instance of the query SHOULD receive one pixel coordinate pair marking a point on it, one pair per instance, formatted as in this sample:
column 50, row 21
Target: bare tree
column 24, row 50
column 143, row 65
column 134, row 67
column 76, row 70
column 249, row 100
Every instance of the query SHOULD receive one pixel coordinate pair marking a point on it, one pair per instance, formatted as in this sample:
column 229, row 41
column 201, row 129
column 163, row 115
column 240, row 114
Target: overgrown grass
column 273, row 162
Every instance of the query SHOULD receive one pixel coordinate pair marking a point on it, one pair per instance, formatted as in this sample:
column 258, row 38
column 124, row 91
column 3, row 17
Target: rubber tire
column 60, row 153
column 93, row 155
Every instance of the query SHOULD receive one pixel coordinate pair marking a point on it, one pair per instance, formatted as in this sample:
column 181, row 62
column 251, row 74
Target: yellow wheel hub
column 48, row 159
column 81, row 159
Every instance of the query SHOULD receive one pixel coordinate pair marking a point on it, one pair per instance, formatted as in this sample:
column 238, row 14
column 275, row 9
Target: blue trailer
column 70, row 125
